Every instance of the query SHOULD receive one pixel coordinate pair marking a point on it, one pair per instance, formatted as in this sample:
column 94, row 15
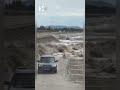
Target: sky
column 60, row 12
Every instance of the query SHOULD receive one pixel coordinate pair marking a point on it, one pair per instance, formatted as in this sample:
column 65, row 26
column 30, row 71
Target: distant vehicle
column 23, row 79
column 47, row 63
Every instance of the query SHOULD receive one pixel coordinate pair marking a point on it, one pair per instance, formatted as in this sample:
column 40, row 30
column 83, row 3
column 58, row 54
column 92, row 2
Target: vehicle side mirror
column 56, row 60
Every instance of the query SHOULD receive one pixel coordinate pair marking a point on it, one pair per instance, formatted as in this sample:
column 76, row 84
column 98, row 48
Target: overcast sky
column 60, row 12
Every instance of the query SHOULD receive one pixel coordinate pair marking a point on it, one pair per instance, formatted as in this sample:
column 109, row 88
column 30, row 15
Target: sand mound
column 47, row 39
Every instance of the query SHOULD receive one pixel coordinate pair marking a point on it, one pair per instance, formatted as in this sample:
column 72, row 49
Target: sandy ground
column 57, row 81
column 61, row 80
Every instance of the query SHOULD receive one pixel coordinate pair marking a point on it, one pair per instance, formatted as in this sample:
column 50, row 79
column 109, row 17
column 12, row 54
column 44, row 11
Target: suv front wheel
column 55, row 71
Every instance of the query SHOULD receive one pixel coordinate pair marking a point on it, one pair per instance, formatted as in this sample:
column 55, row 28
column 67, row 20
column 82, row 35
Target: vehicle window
column 47, row 60
column 26, row 80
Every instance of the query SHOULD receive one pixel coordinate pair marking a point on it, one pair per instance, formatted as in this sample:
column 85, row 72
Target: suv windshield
column 47, row 60
column 23, row 80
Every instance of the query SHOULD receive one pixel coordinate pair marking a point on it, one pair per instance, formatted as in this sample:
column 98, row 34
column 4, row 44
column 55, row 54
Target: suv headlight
column 54, row 65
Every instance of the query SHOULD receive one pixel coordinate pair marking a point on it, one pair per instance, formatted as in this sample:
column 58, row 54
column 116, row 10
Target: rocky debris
column 76, row 70
column 70, row 49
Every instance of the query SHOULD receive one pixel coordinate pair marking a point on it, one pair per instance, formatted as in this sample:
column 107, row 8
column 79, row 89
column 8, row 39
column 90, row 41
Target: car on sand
column 47, row 63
